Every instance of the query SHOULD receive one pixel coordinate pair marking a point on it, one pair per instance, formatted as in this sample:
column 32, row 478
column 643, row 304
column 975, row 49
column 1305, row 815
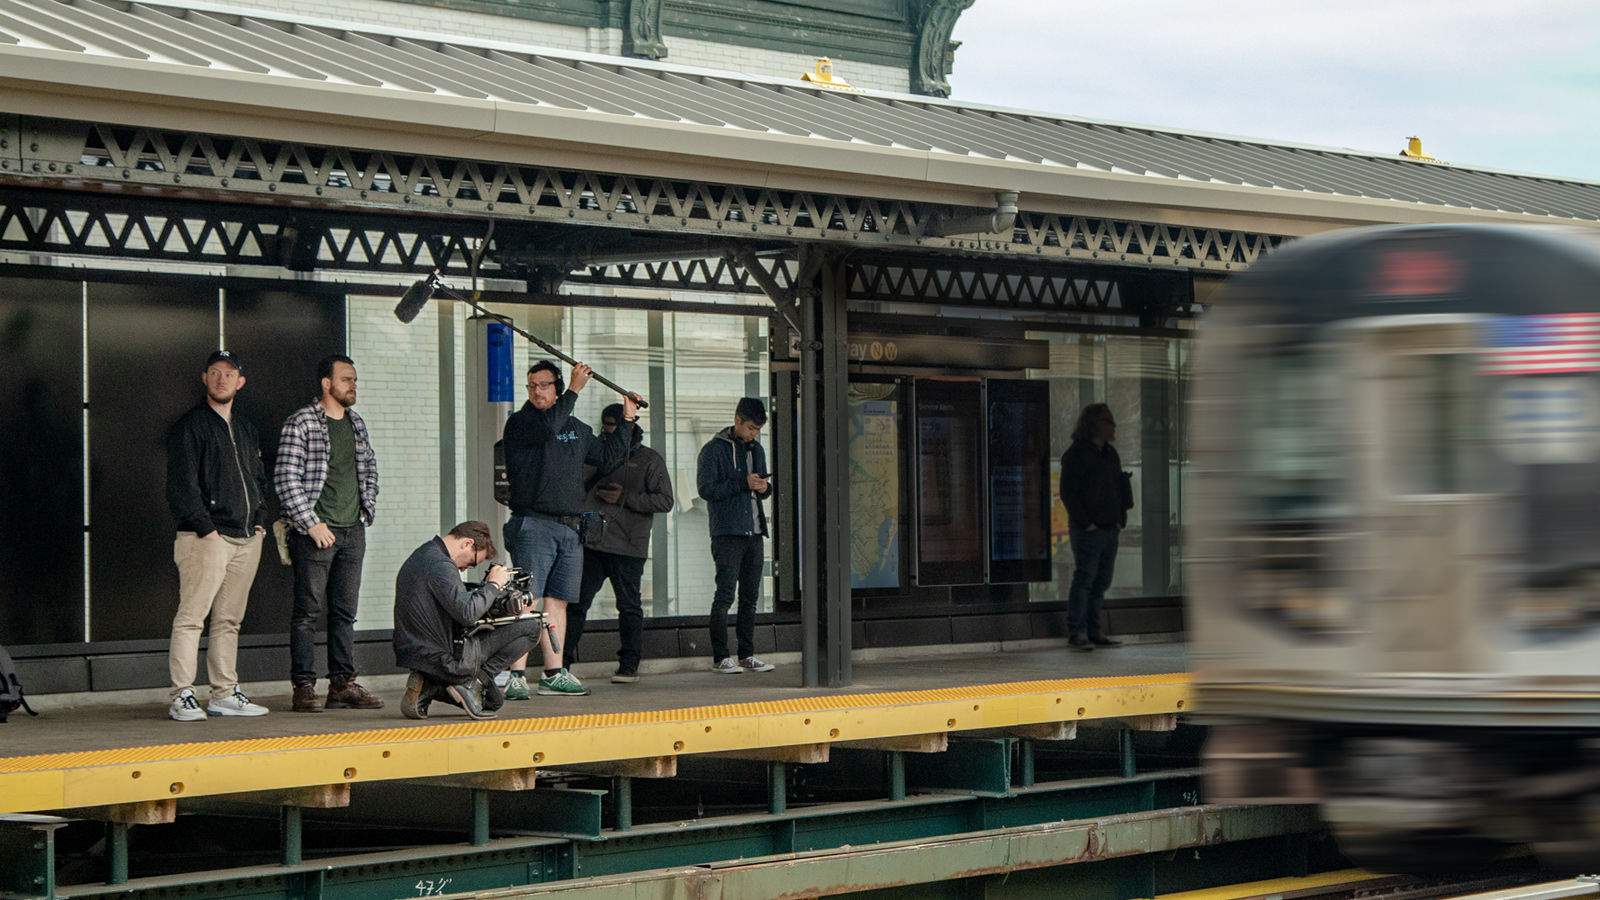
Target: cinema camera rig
column 509, row 607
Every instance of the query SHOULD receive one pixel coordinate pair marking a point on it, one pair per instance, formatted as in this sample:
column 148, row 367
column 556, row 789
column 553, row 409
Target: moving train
column 1394, row 558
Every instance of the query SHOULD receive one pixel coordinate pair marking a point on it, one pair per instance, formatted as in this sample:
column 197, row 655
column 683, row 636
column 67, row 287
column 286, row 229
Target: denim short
column 550, row 552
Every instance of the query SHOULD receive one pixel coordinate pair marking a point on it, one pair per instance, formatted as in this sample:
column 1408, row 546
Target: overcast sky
column 1483, row 82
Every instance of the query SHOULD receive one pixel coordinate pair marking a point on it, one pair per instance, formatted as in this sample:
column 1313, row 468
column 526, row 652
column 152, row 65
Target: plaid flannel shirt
column 302, row 467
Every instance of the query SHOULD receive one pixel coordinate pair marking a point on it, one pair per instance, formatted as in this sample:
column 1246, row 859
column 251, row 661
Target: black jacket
column 646, row 490
column 1093, row 487
column 431, row 606
column 215, row 478
column 724, row 462
column 546, row 452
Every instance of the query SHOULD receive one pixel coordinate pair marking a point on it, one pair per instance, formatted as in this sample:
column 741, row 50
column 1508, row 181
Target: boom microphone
column 415, row 298
column 418, row 295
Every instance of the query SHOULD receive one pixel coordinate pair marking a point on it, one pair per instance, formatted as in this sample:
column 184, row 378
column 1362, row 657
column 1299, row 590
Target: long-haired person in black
column 1097, row 495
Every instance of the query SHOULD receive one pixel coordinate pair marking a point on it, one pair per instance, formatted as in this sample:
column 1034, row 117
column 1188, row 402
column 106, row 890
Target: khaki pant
column 214, row 578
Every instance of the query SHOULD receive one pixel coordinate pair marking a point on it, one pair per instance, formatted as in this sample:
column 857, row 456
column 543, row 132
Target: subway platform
column 680, row 769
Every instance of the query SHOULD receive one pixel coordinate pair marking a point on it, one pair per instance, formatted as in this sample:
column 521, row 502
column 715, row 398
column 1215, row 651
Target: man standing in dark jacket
column 733, row 480
column 629, row 497
column 546, row 449
column 1097, row 497
column 217, row 489
column 432, row 606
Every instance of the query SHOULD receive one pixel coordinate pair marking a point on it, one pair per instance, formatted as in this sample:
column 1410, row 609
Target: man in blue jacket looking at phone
column 733, row 480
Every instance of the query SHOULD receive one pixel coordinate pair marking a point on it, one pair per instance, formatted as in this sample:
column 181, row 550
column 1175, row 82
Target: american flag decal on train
column 1543, row 345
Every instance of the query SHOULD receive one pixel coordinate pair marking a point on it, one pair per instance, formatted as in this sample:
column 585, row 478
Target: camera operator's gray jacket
column 431, row 606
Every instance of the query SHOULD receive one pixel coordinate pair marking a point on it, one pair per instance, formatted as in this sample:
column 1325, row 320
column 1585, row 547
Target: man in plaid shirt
column 327, row 484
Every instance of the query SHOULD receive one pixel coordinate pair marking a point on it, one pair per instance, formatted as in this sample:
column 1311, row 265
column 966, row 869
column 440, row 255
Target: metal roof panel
column 285, row 48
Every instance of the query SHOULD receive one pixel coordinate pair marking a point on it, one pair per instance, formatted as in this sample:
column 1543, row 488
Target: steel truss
column 296, row 239
column 1105, row 828
column 98, row 155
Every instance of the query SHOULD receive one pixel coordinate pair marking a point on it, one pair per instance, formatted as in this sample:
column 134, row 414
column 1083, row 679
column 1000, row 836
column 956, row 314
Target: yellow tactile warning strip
column 1276, row 886
column 127, row 775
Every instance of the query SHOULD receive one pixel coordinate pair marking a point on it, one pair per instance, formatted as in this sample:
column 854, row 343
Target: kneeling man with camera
column 442, row 627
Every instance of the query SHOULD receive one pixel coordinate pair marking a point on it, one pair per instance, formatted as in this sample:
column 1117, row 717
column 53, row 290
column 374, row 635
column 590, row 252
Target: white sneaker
column 235, row 705
column 754, row 664
column 727, row 666
column 185, row 708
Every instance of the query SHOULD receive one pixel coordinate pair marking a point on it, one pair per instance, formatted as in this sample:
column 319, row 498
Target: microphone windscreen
column 413, row 300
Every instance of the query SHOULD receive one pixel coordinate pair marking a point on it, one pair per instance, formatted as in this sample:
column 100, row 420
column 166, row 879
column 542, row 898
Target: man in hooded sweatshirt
column 546, row 449
column 629, row 497
column 733, row 480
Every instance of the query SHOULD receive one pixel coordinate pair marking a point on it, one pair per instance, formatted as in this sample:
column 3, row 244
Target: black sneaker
column 1103, row 641
column 493, row 696
column 1080, row 644
column 464, row 696
column 625, row 676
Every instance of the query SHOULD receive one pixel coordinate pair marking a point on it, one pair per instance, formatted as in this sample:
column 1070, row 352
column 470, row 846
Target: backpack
column 10, row 688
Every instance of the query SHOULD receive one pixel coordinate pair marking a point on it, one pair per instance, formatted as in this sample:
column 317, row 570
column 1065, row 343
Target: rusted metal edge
column 927, row 861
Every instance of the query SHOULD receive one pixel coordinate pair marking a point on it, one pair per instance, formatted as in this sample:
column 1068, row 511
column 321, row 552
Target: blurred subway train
column 1394, row 565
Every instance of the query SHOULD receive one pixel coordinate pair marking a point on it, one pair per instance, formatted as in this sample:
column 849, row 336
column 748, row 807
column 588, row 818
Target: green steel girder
column 980, row 765
column 965, row 856
column 526, row 860
column 27, row 855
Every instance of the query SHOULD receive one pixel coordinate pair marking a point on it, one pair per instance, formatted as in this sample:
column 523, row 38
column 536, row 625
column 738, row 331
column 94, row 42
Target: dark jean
column 328, row 578
column 626, row 573
column 550, row 552
column 1094, row 556
column 487, row 655
column 738, row 559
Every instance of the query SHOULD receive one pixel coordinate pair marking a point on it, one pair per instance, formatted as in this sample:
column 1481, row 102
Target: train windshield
column 1298, row 448
column 1433, row 425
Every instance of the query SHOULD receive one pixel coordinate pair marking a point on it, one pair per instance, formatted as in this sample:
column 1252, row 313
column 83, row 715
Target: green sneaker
column 517, row 687
column 562, row 684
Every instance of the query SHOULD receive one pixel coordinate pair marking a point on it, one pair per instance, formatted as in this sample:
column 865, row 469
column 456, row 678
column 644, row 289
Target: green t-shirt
column 340, row 502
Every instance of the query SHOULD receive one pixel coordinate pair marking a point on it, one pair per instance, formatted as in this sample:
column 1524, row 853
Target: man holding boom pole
column 546, row 449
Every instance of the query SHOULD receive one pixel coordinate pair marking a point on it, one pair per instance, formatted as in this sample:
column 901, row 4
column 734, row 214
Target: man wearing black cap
column 217, row 489
column 733, row 480
column 628, row 496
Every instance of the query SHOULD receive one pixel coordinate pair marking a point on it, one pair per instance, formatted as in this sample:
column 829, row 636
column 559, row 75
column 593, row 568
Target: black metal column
column 825, row 485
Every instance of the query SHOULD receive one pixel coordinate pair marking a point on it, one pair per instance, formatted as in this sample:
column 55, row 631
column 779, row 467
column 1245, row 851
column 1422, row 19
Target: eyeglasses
column 541, row 385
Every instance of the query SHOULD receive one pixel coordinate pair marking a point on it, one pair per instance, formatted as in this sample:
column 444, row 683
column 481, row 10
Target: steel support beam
column 777, row 787
column 918, row 862
column 291, row 831
column 824, row 474
column 28, row 850
column 624, row 789
column 1097, row 804
column 117, row 852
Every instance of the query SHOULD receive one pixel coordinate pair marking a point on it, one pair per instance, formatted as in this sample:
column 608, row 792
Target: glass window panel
column 1144, row 381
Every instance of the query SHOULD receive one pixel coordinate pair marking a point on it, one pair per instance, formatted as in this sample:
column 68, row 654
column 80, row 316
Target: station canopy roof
column 293, row 78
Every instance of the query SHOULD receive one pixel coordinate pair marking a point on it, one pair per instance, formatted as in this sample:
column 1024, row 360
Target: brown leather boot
column 305, row 698
column 419, row 695
column 347, row 693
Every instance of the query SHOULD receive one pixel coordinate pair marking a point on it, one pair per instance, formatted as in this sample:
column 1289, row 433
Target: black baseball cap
column 223, row 356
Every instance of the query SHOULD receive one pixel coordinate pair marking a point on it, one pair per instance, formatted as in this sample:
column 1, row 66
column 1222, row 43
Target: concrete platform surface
column 93, row 727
